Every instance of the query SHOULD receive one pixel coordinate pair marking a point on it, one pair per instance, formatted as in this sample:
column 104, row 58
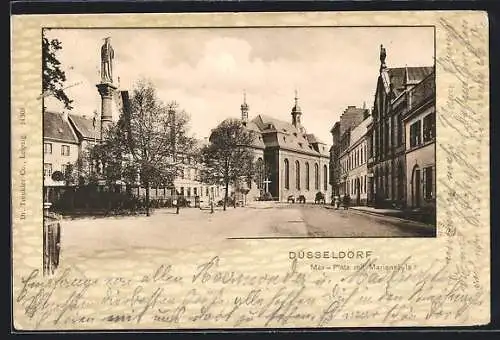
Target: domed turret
column 244, row 109
column 296, row 112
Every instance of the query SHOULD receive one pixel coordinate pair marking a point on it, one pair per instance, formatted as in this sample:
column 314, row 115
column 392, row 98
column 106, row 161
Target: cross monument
column 266, row 182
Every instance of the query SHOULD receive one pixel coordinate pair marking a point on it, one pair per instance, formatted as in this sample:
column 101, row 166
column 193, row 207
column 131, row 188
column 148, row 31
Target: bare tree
column 228, row 157
column 154, row 133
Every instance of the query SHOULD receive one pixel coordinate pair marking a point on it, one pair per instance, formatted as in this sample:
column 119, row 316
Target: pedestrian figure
column 175, row 202
column 337, row 202
column 346, row 200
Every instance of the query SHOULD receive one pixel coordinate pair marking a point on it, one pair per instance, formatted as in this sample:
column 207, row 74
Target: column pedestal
column 106, row 90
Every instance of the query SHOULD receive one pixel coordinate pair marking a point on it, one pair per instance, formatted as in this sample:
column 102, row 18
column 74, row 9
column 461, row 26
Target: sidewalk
column 410, row 215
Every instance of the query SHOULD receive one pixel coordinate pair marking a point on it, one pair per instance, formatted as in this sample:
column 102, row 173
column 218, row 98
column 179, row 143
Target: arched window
column 297, row 175
column 325, row 177
column 316, row 176
column 307, row 176
column 260, row 173
column 287, row 174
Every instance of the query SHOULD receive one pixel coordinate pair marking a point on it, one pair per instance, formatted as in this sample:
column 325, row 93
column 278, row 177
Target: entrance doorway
column 358, row 193
column 416, row 187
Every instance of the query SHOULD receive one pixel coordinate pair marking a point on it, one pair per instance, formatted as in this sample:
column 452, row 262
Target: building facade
column 387, row 151
column 60, row 151
column 420, row 128
column 294, row 163
column 67, row 138
column 353, row 161
column 350, row 118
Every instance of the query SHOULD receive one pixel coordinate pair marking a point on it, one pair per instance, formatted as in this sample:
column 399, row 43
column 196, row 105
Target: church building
column 294, row 162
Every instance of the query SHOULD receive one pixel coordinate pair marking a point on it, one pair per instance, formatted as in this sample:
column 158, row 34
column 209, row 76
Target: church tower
column 296, row 113
column 244, row 109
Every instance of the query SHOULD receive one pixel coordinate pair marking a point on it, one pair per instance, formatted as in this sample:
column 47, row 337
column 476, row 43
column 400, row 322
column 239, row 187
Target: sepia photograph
column 250, row 170
column 237, row 133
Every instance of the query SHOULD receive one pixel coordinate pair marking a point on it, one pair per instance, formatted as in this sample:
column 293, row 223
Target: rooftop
column 56, row 126
column 401, row 76
column 85, row 126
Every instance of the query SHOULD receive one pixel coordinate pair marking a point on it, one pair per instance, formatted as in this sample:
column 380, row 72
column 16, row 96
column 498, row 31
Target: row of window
column 382, row 182
column 381, row 138
column 307, row 179
column 190, row 173
column 47, row 172
column 47, row 169
column 396, row 182
column 429, row 130
column 47, row 149
column 356, row 184
column 201, row 191
column 356, row 158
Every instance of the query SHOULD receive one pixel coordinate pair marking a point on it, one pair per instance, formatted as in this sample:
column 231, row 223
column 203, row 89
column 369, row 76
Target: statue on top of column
column 383, row 55
column 107, row 56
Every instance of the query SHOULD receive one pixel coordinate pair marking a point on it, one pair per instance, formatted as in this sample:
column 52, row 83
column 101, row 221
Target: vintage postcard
column 250, row 170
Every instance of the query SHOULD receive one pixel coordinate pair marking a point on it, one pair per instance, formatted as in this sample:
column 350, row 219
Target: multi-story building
column 189, row 184
column 386, row 152
column 294, row 162
column 68, row 136
column 350, row 118
column 60, row 151
column 420, row 127
column 353, row 163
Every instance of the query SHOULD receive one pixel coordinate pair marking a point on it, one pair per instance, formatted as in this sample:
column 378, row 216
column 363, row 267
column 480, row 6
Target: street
column 164, row 230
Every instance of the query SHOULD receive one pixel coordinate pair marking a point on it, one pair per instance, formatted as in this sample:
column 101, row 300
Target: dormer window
column 300, row 144
column 270, row 126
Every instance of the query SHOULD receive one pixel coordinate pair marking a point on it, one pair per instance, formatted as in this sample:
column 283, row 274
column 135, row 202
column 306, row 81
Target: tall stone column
column 106, row 87
column 106, row 90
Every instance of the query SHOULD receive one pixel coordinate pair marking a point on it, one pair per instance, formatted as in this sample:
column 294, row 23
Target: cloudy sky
column 207, row 70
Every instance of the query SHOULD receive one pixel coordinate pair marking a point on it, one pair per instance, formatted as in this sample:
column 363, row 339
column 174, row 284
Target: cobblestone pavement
column 166, row 230
column 322, row 222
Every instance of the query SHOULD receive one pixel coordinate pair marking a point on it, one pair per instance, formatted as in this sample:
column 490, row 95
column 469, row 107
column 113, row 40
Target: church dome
column 296, row 108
